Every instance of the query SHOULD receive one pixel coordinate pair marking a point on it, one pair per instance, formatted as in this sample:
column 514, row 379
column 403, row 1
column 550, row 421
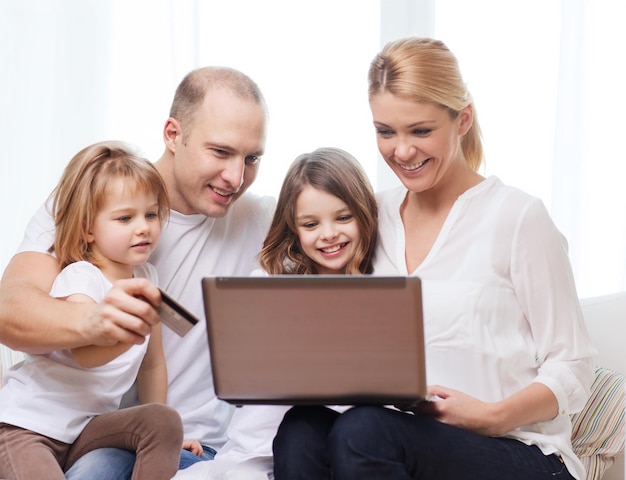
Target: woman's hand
column 534, row 403
column 456, row 408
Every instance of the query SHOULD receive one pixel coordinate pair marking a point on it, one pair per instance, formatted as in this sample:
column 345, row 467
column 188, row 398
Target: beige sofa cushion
column 598, row 430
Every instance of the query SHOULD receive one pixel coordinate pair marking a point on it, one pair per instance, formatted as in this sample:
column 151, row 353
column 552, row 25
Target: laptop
column 316, row 339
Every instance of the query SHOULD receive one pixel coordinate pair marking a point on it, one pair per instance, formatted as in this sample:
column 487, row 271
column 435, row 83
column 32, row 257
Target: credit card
column 175, row 316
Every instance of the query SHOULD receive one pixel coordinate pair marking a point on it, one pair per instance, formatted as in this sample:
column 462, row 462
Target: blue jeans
column 117, row 464
column 381, row 444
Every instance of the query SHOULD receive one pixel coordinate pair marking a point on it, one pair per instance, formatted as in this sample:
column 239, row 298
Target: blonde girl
column 108, row 207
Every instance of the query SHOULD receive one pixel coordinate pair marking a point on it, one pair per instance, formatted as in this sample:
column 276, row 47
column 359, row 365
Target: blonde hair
column 425, row 70
column 82, row 191
column 334, row 171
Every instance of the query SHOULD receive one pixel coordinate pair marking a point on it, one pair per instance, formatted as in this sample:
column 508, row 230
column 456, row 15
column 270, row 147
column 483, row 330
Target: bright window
column 547, row 78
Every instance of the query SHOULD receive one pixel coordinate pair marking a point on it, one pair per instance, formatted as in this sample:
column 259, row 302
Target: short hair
column 334, row 171
column 425, row 70
column 82, row 190
column 192, row 90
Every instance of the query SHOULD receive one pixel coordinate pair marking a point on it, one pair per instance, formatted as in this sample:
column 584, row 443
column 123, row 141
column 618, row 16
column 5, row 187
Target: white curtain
column 75, row 72
column 79, row 71
column 547, row 77
column 589, row 173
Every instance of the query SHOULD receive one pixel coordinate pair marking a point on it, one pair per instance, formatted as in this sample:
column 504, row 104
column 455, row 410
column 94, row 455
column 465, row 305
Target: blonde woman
column 507, row 353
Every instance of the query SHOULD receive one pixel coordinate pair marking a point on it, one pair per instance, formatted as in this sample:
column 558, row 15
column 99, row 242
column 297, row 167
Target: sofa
column 597, row 431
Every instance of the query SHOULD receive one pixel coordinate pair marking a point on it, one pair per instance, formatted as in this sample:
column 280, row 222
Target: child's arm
column 193, row 446
column 91, row 356
column 152, row 376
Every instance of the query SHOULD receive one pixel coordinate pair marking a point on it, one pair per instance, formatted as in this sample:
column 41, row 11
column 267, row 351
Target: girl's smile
column 327, row 230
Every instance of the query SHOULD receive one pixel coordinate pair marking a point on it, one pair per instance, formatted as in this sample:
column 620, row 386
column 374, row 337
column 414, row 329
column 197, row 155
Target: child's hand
column 193, row 446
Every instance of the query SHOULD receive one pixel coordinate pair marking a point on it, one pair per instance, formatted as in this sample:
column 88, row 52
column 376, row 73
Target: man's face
column 217, row 155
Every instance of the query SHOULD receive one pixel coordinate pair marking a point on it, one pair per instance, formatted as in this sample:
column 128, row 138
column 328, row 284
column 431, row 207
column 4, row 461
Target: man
column 214, row 139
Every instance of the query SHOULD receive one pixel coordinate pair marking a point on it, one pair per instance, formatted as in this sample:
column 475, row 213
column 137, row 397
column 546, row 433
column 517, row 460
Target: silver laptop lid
column 316, row 339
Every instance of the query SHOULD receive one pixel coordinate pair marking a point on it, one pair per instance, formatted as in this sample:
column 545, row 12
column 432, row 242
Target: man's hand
column 32, row 321
column 125, row 315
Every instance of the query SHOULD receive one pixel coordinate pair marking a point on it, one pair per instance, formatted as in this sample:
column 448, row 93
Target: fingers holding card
column 175, row 316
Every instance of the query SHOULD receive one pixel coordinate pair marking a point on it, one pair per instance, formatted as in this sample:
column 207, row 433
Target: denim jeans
column 103, row 464
column 117, row 464
column 381, row 444
column 187, row 458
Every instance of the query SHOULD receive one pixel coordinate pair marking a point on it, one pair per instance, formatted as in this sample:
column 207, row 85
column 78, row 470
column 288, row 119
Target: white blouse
column 500, row 305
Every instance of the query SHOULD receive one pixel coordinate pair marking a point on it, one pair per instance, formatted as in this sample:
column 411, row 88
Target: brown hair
column 82, row 190
column 334, row 171
column 425, row 70
column 192, row 89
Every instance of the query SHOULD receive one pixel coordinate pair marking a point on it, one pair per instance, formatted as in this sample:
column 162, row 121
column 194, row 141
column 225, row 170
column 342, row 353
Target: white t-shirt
column 500, row 305
column 247, row 455
column 52, row 394
column 191, row 247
